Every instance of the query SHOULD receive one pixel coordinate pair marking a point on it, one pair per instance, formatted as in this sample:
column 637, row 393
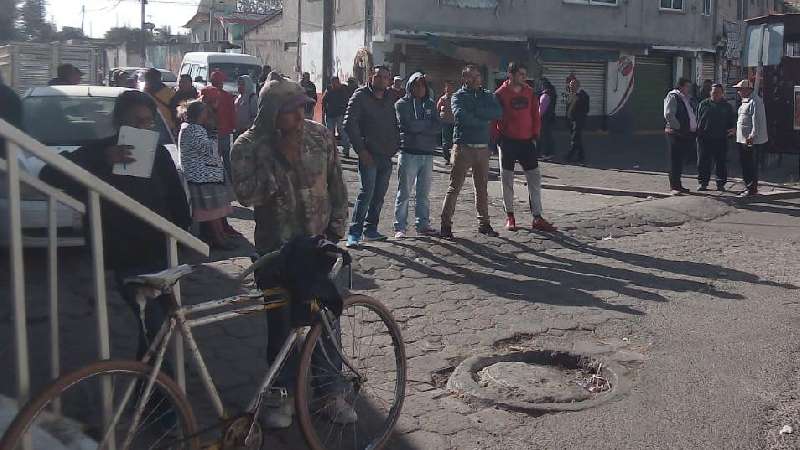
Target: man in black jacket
column 334, row 105
column 311, row 92
column 716, row 122
column 681, row 127
column 371, row 125
column 577, row 111
column 131, row 246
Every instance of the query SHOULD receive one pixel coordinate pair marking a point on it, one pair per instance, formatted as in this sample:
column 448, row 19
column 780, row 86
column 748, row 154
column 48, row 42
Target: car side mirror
column 199, row 79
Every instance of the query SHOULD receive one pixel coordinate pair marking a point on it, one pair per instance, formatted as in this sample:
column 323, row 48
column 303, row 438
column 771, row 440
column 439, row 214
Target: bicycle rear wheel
column 372, row 345
column 167, row 421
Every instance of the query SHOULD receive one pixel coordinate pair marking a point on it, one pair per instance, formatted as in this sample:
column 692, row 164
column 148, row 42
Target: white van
column 199, row 65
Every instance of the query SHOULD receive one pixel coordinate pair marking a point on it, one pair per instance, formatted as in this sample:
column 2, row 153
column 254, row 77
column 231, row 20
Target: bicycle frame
column 246, row 304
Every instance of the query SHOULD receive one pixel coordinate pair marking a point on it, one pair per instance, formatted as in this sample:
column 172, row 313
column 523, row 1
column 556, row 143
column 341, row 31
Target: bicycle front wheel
column 353, row 403
column 72, row 413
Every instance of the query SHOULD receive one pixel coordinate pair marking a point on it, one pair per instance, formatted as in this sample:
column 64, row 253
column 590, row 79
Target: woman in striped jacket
column 205, row 174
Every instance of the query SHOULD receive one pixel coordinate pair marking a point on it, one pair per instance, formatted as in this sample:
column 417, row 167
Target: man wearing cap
column 681, row 126
column 221, row 103
column 716, row 122
column 751, row 135
column 397, row 87
column 66, row 75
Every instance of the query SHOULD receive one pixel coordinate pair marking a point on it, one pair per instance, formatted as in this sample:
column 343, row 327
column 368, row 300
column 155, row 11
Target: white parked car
column 64, row 118
column 168, row 78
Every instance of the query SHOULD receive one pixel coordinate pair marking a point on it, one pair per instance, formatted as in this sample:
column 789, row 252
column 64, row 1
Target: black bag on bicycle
column 302, row 268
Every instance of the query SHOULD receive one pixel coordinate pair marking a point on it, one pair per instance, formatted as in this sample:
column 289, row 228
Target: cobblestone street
column 701, row 314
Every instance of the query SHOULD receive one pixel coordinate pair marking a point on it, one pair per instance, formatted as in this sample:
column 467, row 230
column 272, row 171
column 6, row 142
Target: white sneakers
column 279, row 411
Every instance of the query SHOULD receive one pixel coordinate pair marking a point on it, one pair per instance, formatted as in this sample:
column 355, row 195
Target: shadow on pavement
column 772, row 206
column 550, row 283
column 686, row 268
column 558, row 280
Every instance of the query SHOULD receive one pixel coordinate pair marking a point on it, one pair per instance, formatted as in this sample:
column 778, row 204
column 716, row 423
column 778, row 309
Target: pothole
column 538, row 381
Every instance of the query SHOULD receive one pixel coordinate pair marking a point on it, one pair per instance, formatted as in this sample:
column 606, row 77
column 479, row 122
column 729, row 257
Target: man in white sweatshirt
column 751, row 134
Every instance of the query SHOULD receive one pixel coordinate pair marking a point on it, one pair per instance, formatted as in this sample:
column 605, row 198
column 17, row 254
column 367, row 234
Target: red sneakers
column 511, row 223
column 542, row 225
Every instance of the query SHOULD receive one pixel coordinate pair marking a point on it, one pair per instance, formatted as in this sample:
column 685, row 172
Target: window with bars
column 706, row 7
column 671, row 5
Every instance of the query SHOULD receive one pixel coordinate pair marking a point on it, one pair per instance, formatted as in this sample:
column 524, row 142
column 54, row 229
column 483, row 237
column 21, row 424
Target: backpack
column 302, row 268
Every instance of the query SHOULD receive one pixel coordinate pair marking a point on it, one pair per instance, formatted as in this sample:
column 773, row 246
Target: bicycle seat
column 161, row 280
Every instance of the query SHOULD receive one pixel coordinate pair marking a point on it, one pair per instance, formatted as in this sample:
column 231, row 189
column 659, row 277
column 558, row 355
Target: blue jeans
column 411, row 170
column 374, row 182
column 336, row 125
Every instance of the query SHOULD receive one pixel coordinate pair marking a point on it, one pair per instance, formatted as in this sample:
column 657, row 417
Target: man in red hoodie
column 516, row 135
column 222, row 104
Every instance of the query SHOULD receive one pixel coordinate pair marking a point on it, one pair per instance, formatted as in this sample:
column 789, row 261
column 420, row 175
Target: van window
column 235, row 70
column 186, row 68
column 201, row 72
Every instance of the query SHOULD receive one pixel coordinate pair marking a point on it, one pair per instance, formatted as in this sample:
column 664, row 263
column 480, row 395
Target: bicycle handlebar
column 258, row 264
column 269, row 257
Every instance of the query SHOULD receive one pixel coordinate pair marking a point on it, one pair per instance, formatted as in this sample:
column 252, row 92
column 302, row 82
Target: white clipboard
column 144, row 144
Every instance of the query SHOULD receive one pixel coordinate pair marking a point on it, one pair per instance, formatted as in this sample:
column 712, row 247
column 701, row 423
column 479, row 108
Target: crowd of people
column 386, row 117
column 706, row 127
column 261, row 148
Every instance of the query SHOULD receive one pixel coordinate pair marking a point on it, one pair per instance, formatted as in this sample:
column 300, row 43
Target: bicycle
column 161, row 414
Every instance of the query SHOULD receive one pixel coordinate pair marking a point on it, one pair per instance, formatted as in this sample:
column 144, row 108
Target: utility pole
column 144, row 37
column 83, row 18
column 369, row 14
column 299, row 64
column 210, row 20
column 327, row 42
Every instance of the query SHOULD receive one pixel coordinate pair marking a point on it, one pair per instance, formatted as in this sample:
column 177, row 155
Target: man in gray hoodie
column 420, row 133
column 371, row 124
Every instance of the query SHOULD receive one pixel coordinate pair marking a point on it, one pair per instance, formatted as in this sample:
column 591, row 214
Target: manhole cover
column 538, row 381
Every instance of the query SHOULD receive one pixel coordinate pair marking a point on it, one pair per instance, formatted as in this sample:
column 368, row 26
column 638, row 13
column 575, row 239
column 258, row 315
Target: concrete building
column 274, row 42
column 627, row 54
column 218, row 25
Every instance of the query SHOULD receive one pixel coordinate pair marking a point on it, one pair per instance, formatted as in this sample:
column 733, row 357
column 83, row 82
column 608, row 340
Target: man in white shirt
column 681, row 127
column 751, row 134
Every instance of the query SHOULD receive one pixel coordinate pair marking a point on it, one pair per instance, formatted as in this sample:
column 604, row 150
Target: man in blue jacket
column 420, row 132
column 474, row 108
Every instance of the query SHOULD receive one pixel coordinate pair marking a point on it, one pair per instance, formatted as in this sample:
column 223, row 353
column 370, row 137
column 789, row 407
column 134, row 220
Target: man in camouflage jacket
column 288, row 170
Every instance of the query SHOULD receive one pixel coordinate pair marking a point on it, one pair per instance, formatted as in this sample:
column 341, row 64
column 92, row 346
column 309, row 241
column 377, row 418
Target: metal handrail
column 97, row 188
column 105, row 190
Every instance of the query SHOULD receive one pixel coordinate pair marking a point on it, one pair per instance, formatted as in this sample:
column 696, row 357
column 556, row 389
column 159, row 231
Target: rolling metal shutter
column 709, row 67
column 438, row 67
column 653, row 79
column 592, row 76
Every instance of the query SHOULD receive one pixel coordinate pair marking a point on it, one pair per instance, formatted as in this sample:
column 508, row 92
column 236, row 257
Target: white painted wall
column 346, row 43
column 311, row 57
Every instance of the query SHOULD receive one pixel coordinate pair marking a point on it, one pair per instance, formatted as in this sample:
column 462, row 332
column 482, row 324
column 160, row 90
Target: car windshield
column 168, row 77
column 74, row 121
column 234, row 70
